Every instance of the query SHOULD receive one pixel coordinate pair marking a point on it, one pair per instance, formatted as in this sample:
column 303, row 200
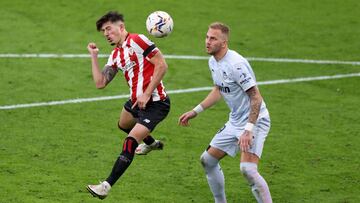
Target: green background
column 50, row 153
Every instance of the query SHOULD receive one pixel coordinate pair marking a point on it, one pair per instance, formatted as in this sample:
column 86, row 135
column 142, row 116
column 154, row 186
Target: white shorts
column 226, row 139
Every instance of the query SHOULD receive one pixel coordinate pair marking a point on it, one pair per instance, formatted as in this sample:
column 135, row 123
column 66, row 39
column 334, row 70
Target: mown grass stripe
column 197, row 89
column 187, row 57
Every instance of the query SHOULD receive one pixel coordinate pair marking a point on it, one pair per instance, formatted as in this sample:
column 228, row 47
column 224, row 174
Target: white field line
column 186, row 57
column 198, row 89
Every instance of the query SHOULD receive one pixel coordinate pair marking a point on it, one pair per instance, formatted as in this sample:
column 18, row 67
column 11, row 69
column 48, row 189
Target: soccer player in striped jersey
column 249, row 121
column 143, row 66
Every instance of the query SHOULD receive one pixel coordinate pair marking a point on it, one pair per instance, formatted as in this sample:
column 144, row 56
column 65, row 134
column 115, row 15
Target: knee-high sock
column 123, row 161
column 215, row 177
column 258, row 185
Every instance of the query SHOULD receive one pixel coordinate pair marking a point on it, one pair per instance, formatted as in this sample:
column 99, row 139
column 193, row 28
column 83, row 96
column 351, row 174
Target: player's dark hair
column 111, row 16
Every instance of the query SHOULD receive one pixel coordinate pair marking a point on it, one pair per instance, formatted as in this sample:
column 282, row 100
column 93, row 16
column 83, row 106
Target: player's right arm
column 101, row 78
column 213, row 97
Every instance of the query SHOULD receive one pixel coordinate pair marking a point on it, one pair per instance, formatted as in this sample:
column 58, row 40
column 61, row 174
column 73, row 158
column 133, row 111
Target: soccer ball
column 159, row 24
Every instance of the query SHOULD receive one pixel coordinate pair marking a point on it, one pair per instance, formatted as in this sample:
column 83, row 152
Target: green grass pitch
column 50, row 153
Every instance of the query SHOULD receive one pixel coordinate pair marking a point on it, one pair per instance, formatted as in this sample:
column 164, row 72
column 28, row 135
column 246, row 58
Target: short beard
column 211, row 53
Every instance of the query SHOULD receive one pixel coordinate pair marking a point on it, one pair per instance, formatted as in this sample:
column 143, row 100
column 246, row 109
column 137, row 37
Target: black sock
column 123, row 161
column 149, row 140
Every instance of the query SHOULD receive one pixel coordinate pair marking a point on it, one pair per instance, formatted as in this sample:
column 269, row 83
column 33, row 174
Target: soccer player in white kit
column 249, row 121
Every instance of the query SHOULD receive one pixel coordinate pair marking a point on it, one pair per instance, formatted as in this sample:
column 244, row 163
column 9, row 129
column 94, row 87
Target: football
column 159, row 24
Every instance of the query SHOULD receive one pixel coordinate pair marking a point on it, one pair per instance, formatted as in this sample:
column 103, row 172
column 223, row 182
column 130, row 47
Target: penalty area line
column 180, row 91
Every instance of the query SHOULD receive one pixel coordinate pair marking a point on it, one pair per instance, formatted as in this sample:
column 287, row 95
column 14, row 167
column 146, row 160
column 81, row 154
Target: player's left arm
column 160, row 68
column 242, row 76
column 255, row 103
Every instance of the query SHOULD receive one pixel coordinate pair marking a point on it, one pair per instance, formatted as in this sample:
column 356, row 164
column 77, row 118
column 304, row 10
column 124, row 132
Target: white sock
column 259, row 187
column 106, row 185
column 215, row 177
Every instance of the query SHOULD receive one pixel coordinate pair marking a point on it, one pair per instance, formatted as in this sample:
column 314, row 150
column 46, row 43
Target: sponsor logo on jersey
column 224, row 89
column 245, row 80
column 128, row 66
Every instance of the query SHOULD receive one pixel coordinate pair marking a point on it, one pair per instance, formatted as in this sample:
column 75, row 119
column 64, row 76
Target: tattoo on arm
column 255, row 104
column 109, row 73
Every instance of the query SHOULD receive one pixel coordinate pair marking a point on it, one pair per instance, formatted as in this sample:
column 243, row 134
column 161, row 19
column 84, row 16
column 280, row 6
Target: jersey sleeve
column 211, row 70
column 144, row 46
column 111, row 60
column 243, row 77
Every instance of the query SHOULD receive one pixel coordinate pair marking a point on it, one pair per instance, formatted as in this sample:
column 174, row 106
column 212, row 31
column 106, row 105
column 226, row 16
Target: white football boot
column 100, row 191
column 144, row 149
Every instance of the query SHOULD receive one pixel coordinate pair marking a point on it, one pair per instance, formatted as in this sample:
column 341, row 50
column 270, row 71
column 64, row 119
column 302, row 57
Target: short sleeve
column 110, row 61
column 211, row 69
column 144, row 46
column 243, row 76
column 112, row 58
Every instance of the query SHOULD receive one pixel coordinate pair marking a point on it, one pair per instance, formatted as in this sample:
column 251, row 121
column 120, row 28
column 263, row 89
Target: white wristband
column 249, row 127
column 198, row 109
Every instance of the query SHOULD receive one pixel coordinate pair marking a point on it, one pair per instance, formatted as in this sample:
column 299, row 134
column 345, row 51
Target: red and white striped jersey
column 132, row 58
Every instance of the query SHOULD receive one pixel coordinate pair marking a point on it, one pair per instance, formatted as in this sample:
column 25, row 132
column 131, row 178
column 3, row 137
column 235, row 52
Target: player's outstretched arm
column 99, row 77
column 184, row 118
column 255, row 103
column 213, row 97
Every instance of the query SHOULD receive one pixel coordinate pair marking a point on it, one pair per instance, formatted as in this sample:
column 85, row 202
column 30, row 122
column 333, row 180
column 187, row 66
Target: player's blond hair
column 222, row 27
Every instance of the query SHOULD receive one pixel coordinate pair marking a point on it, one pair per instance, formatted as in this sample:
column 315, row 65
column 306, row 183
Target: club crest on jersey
column 225, row 76
column 131, row 51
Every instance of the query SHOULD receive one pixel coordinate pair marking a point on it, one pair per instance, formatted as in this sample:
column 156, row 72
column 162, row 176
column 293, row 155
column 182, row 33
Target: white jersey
column 234, row 76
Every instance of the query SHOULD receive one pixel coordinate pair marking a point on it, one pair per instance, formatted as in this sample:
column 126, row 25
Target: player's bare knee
column 127, row 131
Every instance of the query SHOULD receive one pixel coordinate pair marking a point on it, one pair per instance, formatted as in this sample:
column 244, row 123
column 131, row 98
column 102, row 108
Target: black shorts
column 154, row 112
